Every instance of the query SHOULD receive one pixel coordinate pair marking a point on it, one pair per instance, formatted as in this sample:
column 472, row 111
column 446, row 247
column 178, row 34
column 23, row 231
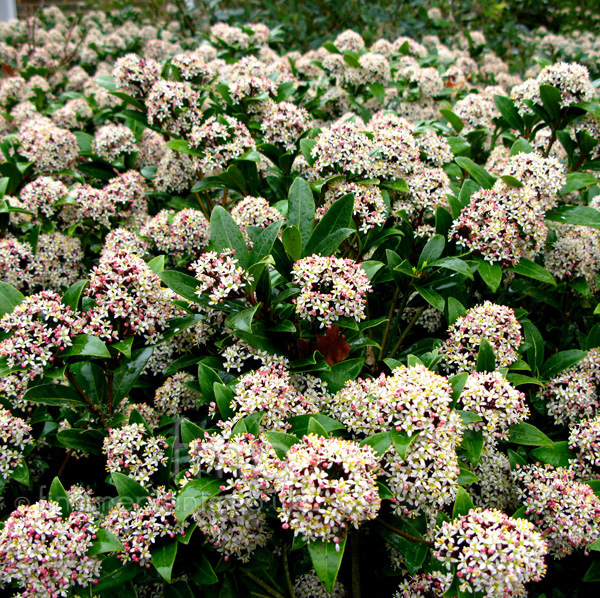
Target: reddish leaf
column 332, row 345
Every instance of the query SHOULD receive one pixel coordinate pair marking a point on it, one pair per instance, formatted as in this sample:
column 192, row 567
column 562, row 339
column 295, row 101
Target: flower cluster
column 570, row 396
column 495, row 488
column 39, row 196
column 495, row 323
column 173, row 397
column 135, row 75
column 283, row 123
column 496, row 401
column 308, row 585
column 140, row 525
column 127, row 291
column 173, row 106
column 15, row 436
column 254, row 211
column 330, row 288
column 584, row 438
column 221, row 139
column 46, row 554
column 566, row 512
column 128, row 450
column 369, row 207
column 127, row 192
column 326, row 486
column 220, row 276
column 50, row 147
column 270, row 390
column 493, row 553
column 233, row 521
column 112, row 141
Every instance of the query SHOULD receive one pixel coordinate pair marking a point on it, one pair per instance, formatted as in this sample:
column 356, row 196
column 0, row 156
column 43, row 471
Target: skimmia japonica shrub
column 296, row 325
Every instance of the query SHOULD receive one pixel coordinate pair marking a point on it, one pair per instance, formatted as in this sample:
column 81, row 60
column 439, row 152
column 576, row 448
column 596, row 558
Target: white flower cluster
column 496, row 323
column 192, row 67
column 570, row 396
column 566, row 512
column 237, row 356
column 330, row 288
column 326, row 486
column 584, row 438
column 494, row 554
column 112, row 141
column 135, row 75
column 220, row 277
column 283, row 123
column 139, row 527
column 173, row 397
column 254, row 211
column 127, row 192
column 495, row 488
column 369, row 207
column 221, row 139
column 41, row 194
column 496, row 401
column 233, row 521
column 15, row 436
column 309, row 585
column 45, row 554
column 129, row 450
column 270, row 390
column 173, row 106
column 84, row 501
column 126, row 290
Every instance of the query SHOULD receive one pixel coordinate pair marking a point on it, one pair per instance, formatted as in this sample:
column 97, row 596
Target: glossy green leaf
column 130, row 492
column 194, row 494
column 379, row 442
column 226, row 234
column 558, row 455
column 528, row 435
column 73, row 294
column 463, row 503
column 183, row 284
column 341, row 372
column 477, row 172
column 58, row 494
column 328, row 233
column 561, row 361
column 57, row 395
column 530, row 269
column 577, row 215
column 243, row 319
column 301, row 208
column 104, row 542
column 128, row 373
column 281, row 442
column 326, row 559
column 163, row 559
column 86, row 345
column 486, row 360
column 432, row 251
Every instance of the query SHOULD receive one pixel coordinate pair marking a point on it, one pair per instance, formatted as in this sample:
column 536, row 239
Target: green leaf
column 351, row 60
column 402, row 441
column 56, row 395
column 124, row 346
column 202, row 572
column 578, row 215
column 182, row 146
column 432, row 251
column 195, row 494
column 292, row 242
column 486, row 360
column 73, row 294
column 551, row 99
column 58, row 494
column 378, row 91
column 528, row 435
column 491, row 274
column 281, row 442
column 594, row 545
column 326, row 236
column 117, row 576
column 190, row 431
column 434, row 299
column 399, row 185
column 306, row 147
column 326, row 559
column 453, row 119
column 21, row 474
column 223, row 397
column 593, row 572
column 183, row 284
column 243, row 319
column 515, row 459
column 472, row 443
column 414, row 553
column 104, row 542
column 163, row 559
column 341, row 372
column 558, row 455
column 226, row 234
column 521, row 379
column 379, row 442
column 87, row 345
column 468, row 417
column 331, row 47
column 458, row 382
column 455, row 310
column 535, row 354
column 455, row 264
column 466, row 477
column 83, row 440
column 157, row 264
column 314, row 427
column 478, row 173
column 301, row 208
column 128, row 373
column 130, row 492
column 561, row 361
column 264, row 244
column 91, row 378
column 462, row 504
column 300, row 423
column 530, row 269
column 9, row 298
column 509, row 112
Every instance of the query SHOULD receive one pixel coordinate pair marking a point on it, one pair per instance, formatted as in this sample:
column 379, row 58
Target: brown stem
column 259, row 582
column 355, row 555
column 64, row 463
column 110, row 392
column 92, row 407
column 405, row 535
column 389, row 323
column 288, row 578
column 407, row 330
column 550, row 143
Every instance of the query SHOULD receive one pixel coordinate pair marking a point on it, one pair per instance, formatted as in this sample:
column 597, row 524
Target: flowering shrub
column 298, row 323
